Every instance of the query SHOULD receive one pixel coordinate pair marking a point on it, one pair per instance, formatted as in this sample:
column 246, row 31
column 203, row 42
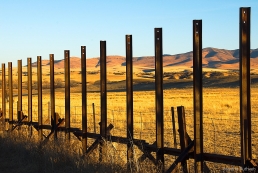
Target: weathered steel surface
column 29, row 86
column 103, row 97
column 19, row 89
column 159, row 94
column 84, row 98
column 181, row 158
column 39, row 79
column 245, row 101
column 103, row 88
column 183, row 135
column 52, row 93
column 3, row 94
column 94, row 117
column 129, row 95
column 10, row 87
column 182, row 127
column 67, row 93
column 173, row 126
column 198, row 98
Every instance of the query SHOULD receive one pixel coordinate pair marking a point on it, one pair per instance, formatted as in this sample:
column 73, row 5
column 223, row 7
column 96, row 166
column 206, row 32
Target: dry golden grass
column 220, row 110
column 221, row 117
column 20, row 153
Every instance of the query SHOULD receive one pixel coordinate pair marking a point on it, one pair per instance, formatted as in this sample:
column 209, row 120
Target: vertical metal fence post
column 182, row 133
column 245, row 101
column 19, row 90
column 52, row 94
column 129, row 96
column 39, row 79
column 84, row 98
column 67, row 93
column 198, row 95
column 10, row 83
column 159, row 95
column 173, row 126
column 49, row 111
column 103, row 95
column 17, row 107
column 94, row 117
column 103, row 88
column 3, row 95
column 29, row 86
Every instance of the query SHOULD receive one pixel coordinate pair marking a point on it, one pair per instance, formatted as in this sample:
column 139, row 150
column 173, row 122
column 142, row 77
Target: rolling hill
column 212, row 58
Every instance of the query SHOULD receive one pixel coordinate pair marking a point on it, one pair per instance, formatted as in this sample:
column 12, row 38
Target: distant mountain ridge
column 212, row 58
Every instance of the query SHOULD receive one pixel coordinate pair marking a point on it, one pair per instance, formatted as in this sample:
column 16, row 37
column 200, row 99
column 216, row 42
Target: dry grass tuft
column 20, row 153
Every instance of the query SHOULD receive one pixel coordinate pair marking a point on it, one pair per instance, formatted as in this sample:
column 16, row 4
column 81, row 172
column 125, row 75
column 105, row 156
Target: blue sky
column 32, row 28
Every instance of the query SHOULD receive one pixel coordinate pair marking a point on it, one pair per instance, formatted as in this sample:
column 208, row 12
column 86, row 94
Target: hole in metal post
column 196, row 23
column 128, row 42
column 157, row 30
column 157, row 38
column 196, row 32
column 244, row 11
column 244, row 21
column 83, row 53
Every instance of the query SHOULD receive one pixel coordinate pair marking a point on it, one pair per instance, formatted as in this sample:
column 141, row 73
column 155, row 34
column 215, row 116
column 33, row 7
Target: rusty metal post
column 39, row 79
column 103, row 96
column 49, row 111
column 29, row 86
column 67, row 93
column 84, row 98
column 173, row 126
column 103, row 88
column 17, row 107
column 245, row 101
column 52, row 94
column 183, row 134
column 10, row 86
column 159, row 95
column 19, row 90
column 198, row 98
column 94, row 117
column 129, row 95
column 3, row 95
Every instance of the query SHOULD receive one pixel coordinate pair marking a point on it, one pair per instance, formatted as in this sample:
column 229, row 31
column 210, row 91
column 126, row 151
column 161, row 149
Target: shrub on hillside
column 59, row 83
column 73, row 83
column 216, row 74
column 45, row 84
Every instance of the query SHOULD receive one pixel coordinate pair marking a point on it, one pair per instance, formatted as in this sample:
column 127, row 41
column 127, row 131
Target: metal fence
column 200, row 140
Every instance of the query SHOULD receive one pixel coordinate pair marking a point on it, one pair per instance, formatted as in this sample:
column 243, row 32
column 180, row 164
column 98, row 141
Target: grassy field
column 220, row 110
column 221, row 116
